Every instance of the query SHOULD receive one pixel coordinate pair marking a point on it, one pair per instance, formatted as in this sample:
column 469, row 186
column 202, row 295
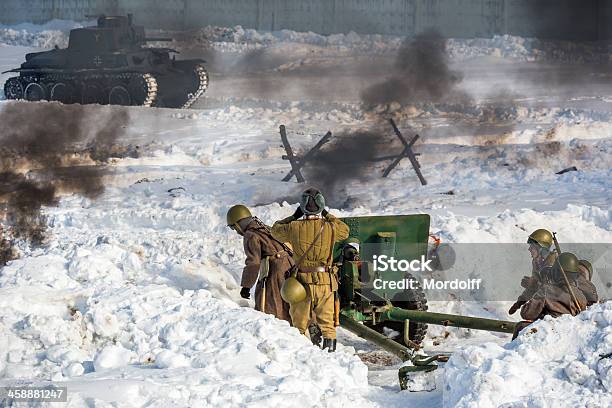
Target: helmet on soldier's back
column 541, row 237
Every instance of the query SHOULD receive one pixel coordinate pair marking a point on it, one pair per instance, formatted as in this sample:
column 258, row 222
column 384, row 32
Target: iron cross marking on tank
column 97, row 61
column 298, row 162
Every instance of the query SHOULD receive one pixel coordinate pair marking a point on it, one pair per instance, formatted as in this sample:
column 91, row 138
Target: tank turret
column 109, row 64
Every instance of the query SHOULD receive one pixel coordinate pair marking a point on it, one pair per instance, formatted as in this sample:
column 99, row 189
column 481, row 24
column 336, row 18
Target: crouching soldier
column 267, row 260
column 540, row 243
column 312, row 232
column 558, row 292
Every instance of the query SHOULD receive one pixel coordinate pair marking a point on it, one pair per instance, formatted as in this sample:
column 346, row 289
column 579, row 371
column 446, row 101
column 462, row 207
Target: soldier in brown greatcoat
column 560, row 291
column 540, row 242
column 267, row 260
column 554, row 296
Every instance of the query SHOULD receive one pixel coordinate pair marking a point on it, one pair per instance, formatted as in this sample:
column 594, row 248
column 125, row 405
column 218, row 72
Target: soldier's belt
column 313, row 269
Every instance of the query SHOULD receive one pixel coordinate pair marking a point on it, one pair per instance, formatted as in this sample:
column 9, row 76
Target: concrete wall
column 564, row 19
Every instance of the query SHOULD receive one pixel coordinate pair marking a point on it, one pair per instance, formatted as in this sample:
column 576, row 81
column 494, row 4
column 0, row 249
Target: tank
column 109, row 64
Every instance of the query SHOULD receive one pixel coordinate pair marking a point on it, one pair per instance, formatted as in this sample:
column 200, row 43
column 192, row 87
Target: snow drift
column 555, row 362
column 152, row 344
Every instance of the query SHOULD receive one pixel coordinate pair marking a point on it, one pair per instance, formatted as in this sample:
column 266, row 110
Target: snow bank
column 502, row 46
column 555, row 362
column 42, row 39
column 48, row 35
column 239, row 39
column 83, row 329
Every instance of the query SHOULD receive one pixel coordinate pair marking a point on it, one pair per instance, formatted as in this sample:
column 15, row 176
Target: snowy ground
column 134, row 301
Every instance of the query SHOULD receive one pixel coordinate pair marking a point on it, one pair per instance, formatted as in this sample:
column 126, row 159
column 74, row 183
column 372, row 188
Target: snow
column 134, row 300
column 239, row 39
column 130, row 332
column 558, row 362
column 48, row 35
column 112, row 357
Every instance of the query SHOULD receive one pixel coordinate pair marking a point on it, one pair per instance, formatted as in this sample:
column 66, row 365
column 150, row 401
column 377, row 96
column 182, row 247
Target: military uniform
column 539, row 242
column 553, row 296
column 546, row 291
column 538, row 268
column 588, row 290
column 260, row 248
column 267, row 261
column 315, row 269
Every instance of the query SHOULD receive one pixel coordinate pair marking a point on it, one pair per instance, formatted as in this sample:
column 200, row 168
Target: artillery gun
column 109, row 64
column 366, row 308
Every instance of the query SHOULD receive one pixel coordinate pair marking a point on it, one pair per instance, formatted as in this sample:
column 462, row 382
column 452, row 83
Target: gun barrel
column 382, row 341
column 443, row 319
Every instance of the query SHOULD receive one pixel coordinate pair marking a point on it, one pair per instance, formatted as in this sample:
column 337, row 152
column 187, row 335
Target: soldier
column 267, row 260
column 555, row 296
column 540, row 242
column 312, row 239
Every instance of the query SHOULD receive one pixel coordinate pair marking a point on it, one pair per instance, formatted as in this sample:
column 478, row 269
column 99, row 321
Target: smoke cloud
column 349, row 158
column 50, row 149
column 420, row 74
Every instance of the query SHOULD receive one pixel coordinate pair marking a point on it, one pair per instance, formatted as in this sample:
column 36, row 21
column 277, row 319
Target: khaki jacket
column 301, row 233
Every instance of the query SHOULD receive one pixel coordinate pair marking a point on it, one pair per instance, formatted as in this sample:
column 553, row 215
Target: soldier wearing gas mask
column 312, row 232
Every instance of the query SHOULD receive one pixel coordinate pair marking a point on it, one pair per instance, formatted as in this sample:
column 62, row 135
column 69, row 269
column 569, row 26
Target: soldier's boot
column 315, row 334
column 329, row 344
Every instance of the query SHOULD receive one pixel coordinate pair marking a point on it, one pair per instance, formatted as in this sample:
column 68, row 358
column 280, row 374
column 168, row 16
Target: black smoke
column 421, row 73
column 349, row 158
column 50, row 149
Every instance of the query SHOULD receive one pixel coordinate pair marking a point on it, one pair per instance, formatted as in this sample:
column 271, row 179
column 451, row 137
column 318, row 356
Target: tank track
column 151, row 90
column 103, row 81
column 202, row 74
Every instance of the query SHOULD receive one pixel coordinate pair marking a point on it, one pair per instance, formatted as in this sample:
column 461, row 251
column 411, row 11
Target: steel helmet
column 569, row 262
column 541, row 237
column 293, row 291
column 237, row 213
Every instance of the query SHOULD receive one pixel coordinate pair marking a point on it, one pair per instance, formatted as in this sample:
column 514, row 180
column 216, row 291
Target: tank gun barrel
column 443, row 319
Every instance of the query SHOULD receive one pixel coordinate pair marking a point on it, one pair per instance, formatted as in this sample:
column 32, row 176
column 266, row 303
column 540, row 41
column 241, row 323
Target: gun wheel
column 410, row 300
